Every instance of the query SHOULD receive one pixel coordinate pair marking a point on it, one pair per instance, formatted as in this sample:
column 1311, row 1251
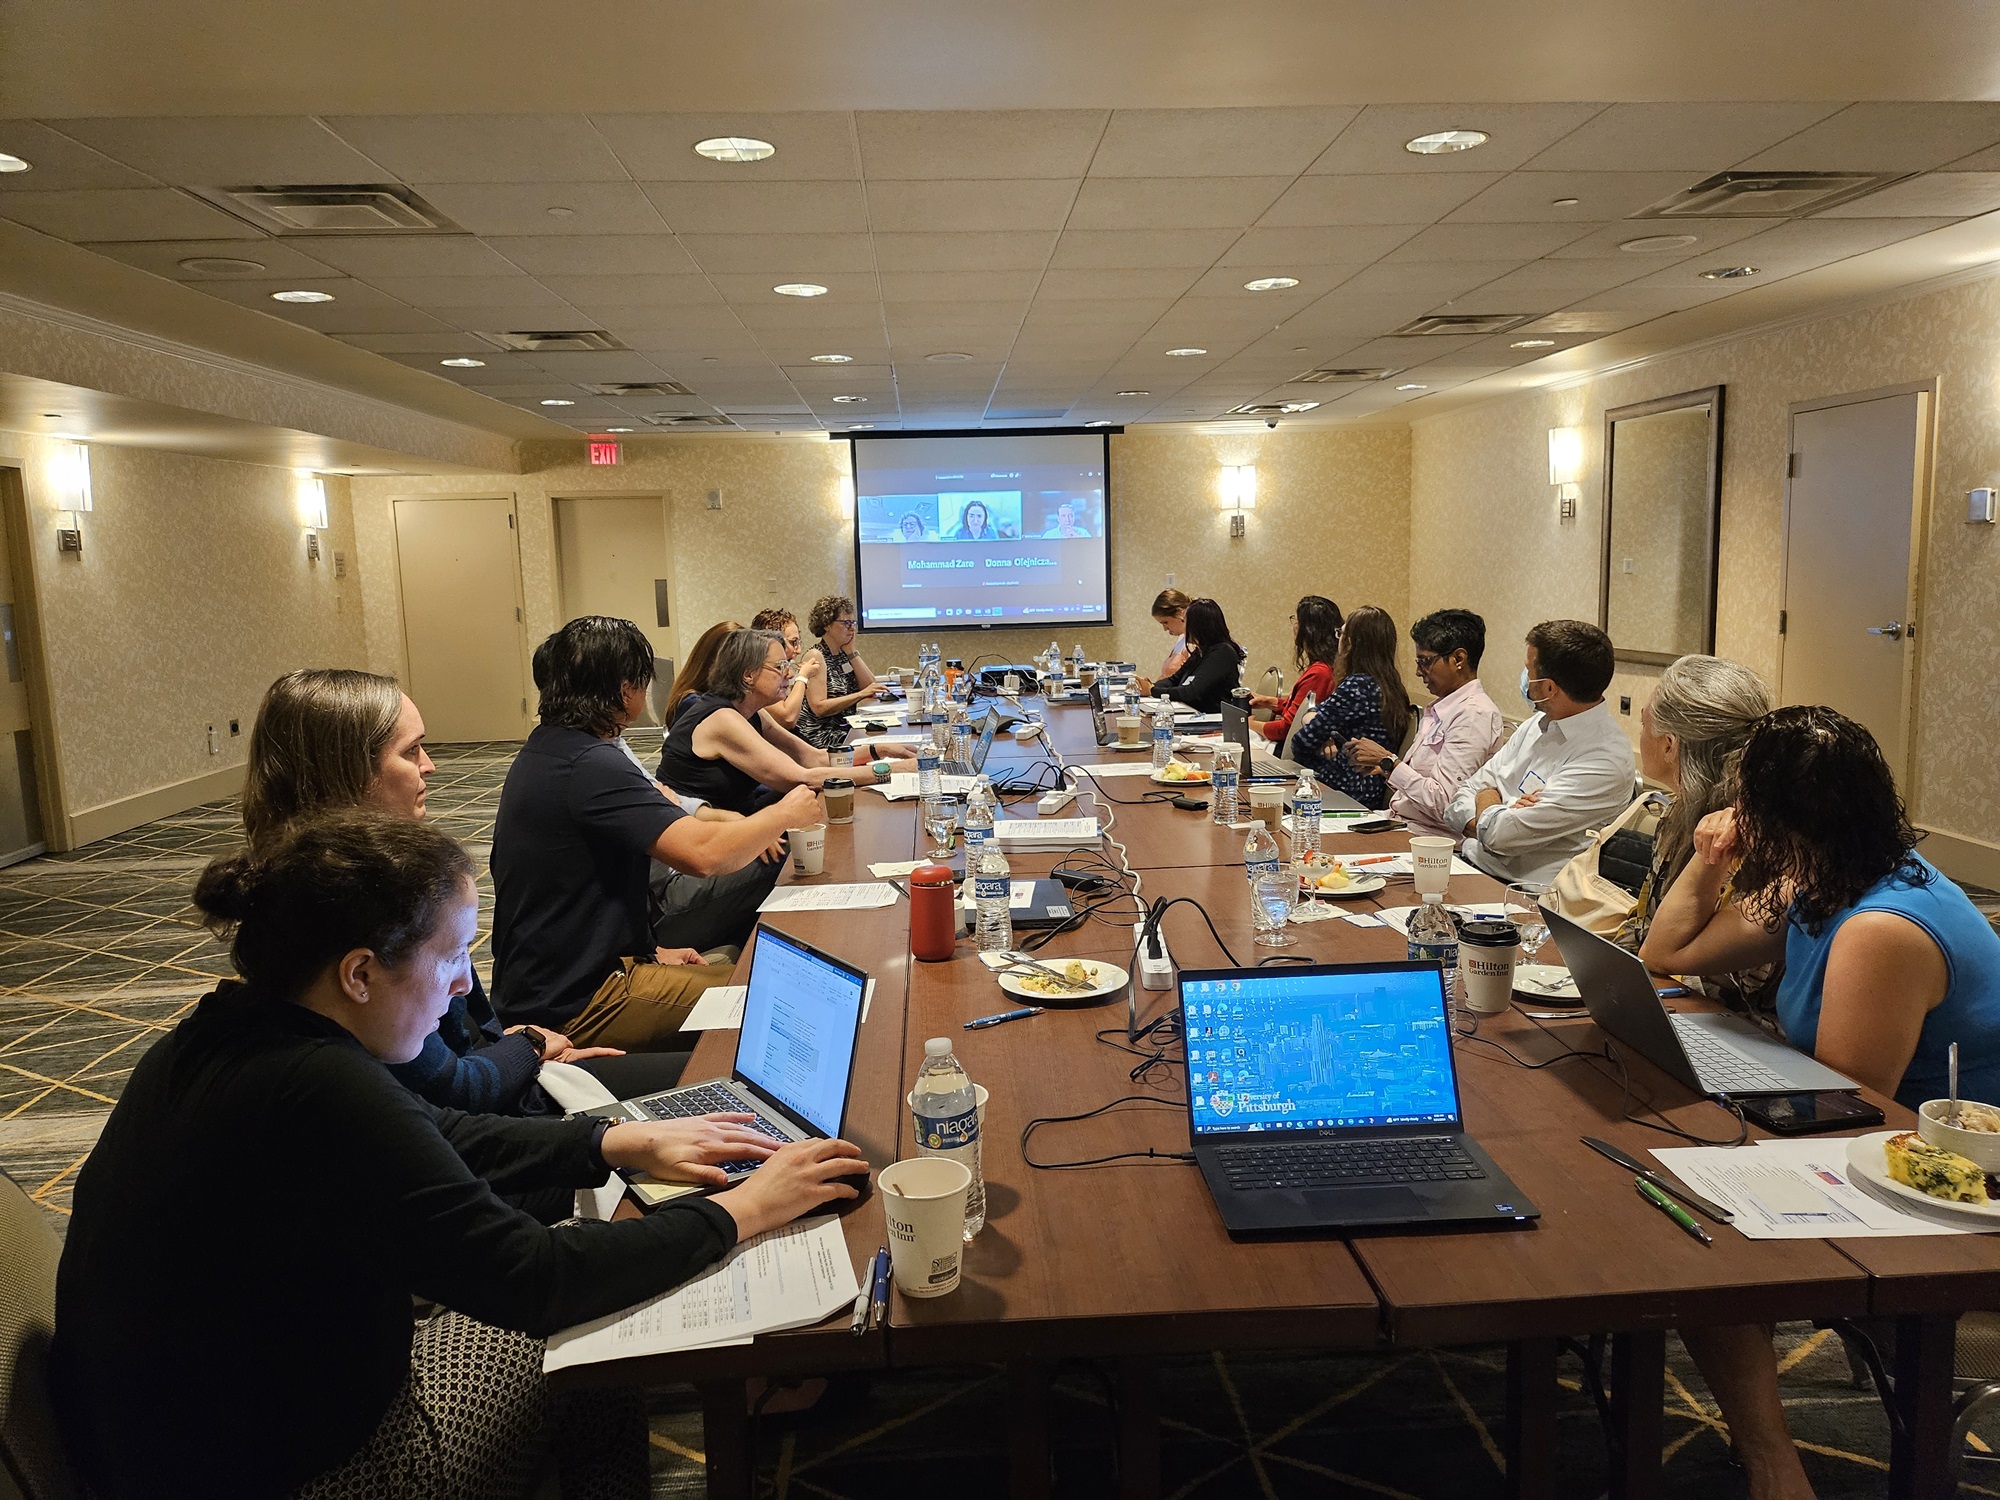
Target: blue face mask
column 1525, row 694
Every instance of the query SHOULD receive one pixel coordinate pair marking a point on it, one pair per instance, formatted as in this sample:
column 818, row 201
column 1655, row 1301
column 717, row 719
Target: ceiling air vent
column 554, row 341
column 686, row 419
column 1271, row 409
column 363, row 208
column 1341, row 375
column 1767, row 195
column 616, row 388
column 1435, row 323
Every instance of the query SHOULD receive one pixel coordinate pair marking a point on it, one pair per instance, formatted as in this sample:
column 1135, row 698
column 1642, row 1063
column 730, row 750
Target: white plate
column 1110, row 979
column 1363, row 885
column 1866, row 1160
column 1550, row 981
column 1165, row 780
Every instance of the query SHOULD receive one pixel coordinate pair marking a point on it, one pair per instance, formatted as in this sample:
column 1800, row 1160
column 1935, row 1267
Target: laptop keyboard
column 1358, row 1163
column 710, row 1099
column 1721, row 1068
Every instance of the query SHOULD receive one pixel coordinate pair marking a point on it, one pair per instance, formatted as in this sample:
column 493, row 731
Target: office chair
column 1975, row 1378
column 33, row 1464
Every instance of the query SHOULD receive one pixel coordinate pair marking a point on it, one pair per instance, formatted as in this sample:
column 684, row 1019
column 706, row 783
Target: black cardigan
column 1203, row 681
column 233, row 1307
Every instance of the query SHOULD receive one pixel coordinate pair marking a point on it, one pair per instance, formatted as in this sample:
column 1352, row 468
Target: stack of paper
column 902, row 785
column 1019, row 835
column 868, row 893
column 1796, row 1190
column 789, row 1278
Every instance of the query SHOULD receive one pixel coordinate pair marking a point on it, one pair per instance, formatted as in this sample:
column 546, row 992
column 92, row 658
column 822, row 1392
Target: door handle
column 1893, row 630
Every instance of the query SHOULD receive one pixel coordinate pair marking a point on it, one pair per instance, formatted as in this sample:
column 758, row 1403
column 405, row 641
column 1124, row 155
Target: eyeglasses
column 850, row 624
column 1427, row 659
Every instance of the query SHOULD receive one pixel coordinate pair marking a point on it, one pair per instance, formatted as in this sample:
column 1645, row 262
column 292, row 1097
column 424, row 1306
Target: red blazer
column 1316, row 679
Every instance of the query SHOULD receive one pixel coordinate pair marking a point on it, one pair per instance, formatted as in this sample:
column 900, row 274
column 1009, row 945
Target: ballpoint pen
column 881, row 1278
column 1006, row 1015
column 1671, row 1209
column 859, row 1324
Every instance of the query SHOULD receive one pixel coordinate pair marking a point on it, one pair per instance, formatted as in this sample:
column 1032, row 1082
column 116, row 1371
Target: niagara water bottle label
column 1445, row 953
column 1257, row 867
column 947, row 1134
column 989, row 888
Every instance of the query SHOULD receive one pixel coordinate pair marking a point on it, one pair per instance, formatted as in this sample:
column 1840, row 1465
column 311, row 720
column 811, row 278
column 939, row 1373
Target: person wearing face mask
column 1457, row 733
column 1531, row 808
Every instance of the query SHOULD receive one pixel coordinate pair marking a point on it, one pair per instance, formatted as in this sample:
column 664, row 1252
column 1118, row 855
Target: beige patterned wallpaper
column 192, row 593
column 1487, row 537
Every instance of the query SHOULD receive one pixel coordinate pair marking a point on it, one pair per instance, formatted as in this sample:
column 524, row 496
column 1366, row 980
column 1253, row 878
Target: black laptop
column 1325, row 1097
column 1100, row 725
column 1258, row 764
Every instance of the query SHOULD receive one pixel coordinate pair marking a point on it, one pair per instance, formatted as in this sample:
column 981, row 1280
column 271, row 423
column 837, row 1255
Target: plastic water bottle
column 961, row 742
column 978, row 820
column 928, row 783
column 1260, row 853
column 1306, row 806
column 947, row 1121
column 991, row 877
column 1163, row 738
column 1076, row 660
column 1433, row 939
column 1222, row 791
column 1307, row 708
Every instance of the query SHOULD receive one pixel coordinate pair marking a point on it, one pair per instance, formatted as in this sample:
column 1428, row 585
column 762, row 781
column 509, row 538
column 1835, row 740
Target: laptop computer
column 1258, row 763
column 1099, row 723
column 794, row 1052
column 1326, row 1097
column 981, row 748
column 1711, row 1053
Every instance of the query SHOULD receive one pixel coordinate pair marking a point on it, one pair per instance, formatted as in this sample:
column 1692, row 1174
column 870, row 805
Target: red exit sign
column 603, row 452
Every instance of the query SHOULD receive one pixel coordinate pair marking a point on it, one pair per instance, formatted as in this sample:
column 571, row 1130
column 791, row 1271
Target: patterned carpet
column 100, row 953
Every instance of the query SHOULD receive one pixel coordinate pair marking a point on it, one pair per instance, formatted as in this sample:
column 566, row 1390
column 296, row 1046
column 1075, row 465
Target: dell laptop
column 794, row 1053
column 1711, row 1053
column 1325, row 1097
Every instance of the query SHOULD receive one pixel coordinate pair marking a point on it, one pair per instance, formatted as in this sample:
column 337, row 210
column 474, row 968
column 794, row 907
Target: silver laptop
column 1711, row 1053
column 1258, row 764
column 981, row 748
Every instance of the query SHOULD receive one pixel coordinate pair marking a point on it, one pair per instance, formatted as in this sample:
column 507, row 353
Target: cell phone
column 1809, row 1114
column 1376, row 825
column 1192, row 804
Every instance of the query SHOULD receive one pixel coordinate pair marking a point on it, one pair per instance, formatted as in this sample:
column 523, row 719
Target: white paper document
column 1118, row 768
column 868, row 893
column 913, row 737
column 893, row 869
column 1793, row 1190
column 902, row 786
column 789, row 1278
column 718, row 1009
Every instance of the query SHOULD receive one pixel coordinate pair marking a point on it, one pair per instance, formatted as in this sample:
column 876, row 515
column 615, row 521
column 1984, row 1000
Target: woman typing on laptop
column 1887, row 963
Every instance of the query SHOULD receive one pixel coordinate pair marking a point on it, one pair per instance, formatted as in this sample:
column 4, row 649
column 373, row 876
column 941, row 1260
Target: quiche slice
column 1933, row 1171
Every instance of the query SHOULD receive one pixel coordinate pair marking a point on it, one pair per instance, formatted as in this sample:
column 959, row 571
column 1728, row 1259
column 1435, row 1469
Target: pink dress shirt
column 1456, row 735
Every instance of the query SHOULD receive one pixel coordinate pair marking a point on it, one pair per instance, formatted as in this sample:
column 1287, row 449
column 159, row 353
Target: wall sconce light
column 73, row 485
column 1239, row 493
column 1566, row 469
column 847, row 494
column 312, row 509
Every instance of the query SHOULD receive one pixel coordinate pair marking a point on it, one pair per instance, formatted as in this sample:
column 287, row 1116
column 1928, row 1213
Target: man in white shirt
column 1456, row 735
column 1530, row 809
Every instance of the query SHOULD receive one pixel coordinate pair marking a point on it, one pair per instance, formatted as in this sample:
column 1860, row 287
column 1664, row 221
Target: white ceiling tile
column 1568, row 279
column 633, row 291
column 1486, row 242
column 1655, row 301
column 804, row 208
column 58, row 163
column 1437, row 280
column 995, row 250
column 348, row 315
column 1378, row 198
column 1374, row 142
column 228, row 151
column 932, row 207
column 657, row 254
column 1127, row 285
column 440, row 292
column 811, row 146
column 850, row 288
column 1174, row 202
column 482, row 148
column 164, row 257
column 123, row 214
column 597, row 365
column 522, row 208
column 1709, row 235
column 1138, row 249
column 633, row 322
column 1680, row 136
column 1313, row 282
column 954, row 145
column 1530, row 197
column 802, row 316
column 952, row 286
column 1942, row 195
column 1401, row 353
column 805, row 375
column 862, row 341
column 1886, row 138
column 796, row 255
column 437, row 344
column 970, row 319
column 1344, row 246
column 409, row 255
column 1215, row 142
column 686, row 349
column 1801, row 245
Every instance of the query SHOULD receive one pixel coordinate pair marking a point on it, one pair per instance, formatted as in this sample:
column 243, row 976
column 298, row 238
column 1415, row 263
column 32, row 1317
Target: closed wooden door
column 21, row 833
column 460, row 571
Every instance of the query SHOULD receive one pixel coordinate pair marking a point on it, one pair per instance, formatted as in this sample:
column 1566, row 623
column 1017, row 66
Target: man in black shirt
column 579, row 824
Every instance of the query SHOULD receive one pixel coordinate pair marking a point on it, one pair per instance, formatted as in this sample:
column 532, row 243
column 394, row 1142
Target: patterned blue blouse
column 1354, row 708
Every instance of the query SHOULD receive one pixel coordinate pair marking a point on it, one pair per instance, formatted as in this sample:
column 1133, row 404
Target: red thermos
column 933, row 912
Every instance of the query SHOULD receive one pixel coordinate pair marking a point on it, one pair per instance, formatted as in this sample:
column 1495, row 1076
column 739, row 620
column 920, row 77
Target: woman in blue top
column 1887, row 963
column 1368, row 702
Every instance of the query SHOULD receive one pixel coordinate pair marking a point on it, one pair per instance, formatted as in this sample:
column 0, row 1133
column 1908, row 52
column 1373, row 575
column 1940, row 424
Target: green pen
column 1671, row 1209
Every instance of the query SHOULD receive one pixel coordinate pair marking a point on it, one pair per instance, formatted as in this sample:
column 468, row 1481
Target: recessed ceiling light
column 1412, row 387
column 302, row 296
column 557, row 401
column 1184, row 353
column 948, row 357
column 1532, row 344
column 221, row 265
column 1728, row 273
column 1135, row 393
column 1270, row 283
column 850, row 400
column 1653, row 244
column 12, row 163
column 833, row 359
column 463, row 362
column 1443, row 142
column 1564, row 202
column 735, row 148
column 799, row 289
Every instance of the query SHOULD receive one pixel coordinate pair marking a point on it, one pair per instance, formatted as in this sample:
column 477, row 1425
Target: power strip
column 1054, row 802
column 1154, row 973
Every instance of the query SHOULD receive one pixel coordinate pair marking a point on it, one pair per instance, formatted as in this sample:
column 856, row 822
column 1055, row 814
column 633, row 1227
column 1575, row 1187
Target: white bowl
column 1977, row 1146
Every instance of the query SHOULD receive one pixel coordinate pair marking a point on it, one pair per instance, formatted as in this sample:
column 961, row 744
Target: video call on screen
column 960, row 532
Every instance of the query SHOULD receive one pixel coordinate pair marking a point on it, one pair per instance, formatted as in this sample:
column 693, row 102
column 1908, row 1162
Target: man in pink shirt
column 1457, row 734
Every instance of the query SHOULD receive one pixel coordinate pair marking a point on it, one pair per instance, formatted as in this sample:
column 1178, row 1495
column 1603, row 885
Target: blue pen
column 881, row 1299
column 1006, row 1015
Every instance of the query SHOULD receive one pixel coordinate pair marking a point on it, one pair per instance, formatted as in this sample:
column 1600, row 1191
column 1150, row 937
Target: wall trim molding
column 1963, row 858
column 89, row 824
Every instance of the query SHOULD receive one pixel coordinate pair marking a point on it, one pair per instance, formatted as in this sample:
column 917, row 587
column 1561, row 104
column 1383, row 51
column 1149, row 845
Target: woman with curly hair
column 836, row 677
column 1887, row 963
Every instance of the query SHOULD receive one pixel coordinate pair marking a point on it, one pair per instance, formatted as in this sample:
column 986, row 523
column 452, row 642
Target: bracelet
column 879, row 767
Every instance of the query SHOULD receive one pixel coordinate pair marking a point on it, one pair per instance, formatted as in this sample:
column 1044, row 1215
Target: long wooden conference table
column 1127, row 1262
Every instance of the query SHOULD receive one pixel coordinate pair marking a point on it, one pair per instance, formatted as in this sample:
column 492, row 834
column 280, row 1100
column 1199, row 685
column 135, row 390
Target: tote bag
column 1584, row 894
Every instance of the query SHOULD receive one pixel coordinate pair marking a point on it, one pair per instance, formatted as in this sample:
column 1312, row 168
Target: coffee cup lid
column 1489, row 932
column 837, row 784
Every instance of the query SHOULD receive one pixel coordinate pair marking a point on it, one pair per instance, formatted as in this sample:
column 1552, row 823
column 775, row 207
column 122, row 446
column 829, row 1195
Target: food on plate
column 1980, row 1117
column 1336, row 879
column 1074, row 971
column 1933, row 1171
column 1180, row 770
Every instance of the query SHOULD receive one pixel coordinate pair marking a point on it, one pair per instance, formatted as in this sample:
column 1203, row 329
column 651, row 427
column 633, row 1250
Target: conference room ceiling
column 1008, row 266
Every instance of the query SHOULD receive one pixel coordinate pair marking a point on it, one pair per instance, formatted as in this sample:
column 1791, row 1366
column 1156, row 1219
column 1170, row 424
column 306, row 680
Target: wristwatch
column 541, row 1040
column 1389, row 763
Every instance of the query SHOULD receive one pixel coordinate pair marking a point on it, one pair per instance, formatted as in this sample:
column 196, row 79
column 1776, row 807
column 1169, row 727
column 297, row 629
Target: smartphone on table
column 1810, row 1114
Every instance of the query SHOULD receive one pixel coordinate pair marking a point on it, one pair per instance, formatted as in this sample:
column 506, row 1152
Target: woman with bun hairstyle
column 271, row 1348
column 1315, row 643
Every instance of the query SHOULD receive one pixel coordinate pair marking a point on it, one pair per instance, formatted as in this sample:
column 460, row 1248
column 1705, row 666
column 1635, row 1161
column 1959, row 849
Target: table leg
column 1530, row 1441
column 1919, row 1446
column 725, row 1424
column 1028, row 1430
column 1638, row 1391
column 1138, row 1430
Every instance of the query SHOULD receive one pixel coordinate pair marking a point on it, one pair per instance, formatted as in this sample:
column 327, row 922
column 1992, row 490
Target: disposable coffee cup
column 1430, row 863
column 1129, row 726
column 809, row 847
column 839, row 793
column 923, row 1200
column 1487, row 953
column 1087, row 677
column 1267, row 805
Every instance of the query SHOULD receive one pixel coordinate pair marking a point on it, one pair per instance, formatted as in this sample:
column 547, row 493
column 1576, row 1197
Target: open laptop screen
column 800, row 1020
column 1318, row 1048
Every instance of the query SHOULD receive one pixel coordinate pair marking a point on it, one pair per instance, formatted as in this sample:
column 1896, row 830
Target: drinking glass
column 939, row 823
column 1272, row 899
column 1524, row 910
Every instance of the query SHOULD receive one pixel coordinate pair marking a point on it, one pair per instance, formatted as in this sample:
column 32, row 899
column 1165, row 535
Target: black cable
column 1148, row 1155
column 1160, row 909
